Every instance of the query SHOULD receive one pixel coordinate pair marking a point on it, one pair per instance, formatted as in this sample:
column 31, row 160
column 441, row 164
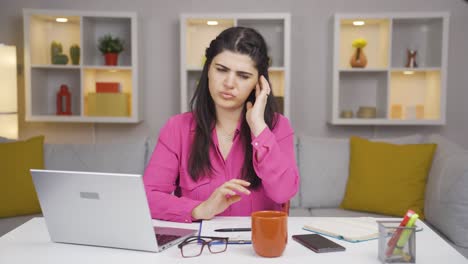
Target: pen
column 233, row 230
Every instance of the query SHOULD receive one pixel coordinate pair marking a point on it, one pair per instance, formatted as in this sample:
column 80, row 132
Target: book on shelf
column 108, row 87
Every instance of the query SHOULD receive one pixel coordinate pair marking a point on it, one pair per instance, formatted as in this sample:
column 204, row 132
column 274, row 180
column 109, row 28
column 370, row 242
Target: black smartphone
column 318, row 243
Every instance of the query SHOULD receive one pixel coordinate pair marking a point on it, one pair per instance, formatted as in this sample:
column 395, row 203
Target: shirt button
column 256, row 143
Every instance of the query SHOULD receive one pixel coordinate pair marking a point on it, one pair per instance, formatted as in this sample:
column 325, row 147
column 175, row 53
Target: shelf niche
column 412, row 91
column 375, row 31
column 47, row 84
column 421, row 34
column 95, row 28
column 366, row 89
column 272, row 32
column 123, row 77
column 44, row 29
column 199, row 36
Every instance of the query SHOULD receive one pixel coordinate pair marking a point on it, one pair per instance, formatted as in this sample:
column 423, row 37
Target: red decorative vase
column 63, row 101
column 111, row 59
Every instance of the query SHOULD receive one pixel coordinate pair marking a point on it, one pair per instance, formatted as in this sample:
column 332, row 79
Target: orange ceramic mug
column 269, row 233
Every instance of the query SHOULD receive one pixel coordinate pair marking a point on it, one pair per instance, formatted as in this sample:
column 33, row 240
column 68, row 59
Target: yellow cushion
column 386, row 178
column 17, row 193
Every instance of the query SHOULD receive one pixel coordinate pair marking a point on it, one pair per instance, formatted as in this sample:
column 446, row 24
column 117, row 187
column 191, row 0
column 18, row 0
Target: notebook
column 209, row 227
column 351, row 229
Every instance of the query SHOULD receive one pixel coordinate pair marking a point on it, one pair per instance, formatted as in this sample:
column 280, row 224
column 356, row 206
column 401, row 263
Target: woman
column 232, row 154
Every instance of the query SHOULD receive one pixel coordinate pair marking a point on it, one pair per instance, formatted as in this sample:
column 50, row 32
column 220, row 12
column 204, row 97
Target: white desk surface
column 30, row 243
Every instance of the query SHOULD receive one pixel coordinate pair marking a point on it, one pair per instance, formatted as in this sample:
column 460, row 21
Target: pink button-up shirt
column 273, row 161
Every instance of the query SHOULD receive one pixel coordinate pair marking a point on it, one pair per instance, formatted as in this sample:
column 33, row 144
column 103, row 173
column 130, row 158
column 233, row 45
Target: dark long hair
column 244, row 41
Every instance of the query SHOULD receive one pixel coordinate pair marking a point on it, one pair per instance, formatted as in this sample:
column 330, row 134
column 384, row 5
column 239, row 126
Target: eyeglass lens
column 195, row 247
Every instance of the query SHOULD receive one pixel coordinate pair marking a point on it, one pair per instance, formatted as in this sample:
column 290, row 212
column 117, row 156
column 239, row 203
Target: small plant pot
column 111, row 59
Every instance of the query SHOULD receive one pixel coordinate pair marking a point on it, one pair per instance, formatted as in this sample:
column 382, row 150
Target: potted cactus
column 75, row 54
column 56, row 55
column 110, row 47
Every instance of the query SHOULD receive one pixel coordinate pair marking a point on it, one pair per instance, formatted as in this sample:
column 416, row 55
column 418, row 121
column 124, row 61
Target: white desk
column 30, row 243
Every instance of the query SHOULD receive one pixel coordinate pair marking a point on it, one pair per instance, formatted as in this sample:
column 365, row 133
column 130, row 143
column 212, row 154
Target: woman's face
column 231, row 78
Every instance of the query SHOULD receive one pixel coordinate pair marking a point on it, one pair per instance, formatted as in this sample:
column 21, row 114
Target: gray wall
column 311, row 31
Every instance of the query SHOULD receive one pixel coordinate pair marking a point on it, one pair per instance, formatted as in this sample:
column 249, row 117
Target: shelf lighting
column 61, row 19
column 9, row 92
column 359, row 23
column 212, row 23
column 408, row 72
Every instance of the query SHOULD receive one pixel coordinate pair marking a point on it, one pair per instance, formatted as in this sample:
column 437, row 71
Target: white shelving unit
column 43, row 79
column 401, row 95
column 196, row 34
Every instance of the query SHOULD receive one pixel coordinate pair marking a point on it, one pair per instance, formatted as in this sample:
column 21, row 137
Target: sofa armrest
column 446, row 206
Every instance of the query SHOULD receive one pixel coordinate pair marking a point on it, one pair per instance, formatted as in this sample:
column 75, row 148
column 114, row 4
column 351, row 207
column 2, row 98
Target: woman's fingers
column 249, row 105
column 236, row 188
column 227, row 191
column 266, row 89
column 241, row 182
column 257, row 89
column 234, row 199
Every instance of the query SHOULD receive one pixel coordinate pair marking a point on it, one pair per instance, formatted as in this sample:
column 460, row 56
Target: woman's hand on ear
column 255, row 113
column 221, row 198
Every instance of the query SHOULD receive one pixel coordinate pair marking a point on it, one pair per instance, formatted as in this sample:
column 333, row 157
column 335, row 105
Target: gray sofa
column 323, row 165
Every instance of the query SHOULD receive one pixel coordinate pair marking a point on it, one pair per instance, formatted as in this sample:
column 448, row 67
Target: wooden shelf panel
column 364, row 70
column 81, row 119
column 384, row 122
column 55, row 66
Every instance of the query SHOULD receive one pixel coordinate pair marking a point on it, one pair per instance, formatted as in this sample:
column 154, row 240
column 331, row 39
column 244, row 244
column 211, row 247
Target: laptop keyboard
column 164, row 239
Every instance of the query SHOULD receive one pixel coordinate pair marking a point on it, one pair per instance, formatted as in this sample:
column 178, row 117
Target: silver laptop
column 101, row 209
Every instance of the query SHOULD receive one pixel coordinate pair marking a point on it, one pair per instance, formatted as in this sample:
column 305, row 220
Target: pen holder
column 396, row 244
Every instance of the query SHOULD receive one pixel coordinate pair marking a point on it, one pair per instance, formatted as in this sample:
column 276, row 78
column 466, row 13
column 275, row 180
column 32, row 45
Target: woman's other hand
column 255, row 113
column 221, row 199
